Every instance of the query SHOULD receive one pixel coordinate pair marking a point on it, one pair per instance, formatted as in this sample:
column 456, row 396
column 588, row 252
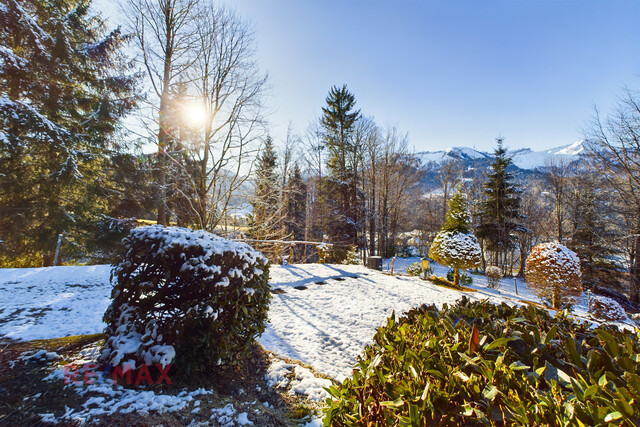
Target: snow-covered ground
column 54, row 301
column 325, row 317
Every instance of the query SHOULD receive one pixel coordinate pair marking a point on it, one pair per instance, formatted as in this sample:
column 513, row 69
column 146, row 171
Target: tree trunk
column 456, row 278
column 634, row 273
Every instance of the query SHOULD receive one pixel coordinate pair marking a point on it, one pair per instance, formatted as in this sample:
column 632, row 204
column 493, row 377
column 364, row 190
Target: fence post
column 55, row 257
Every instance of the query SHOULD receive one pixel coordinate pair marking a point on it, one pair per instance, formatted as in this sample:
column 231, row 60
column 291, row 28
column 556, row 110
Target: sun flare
column 194, row 115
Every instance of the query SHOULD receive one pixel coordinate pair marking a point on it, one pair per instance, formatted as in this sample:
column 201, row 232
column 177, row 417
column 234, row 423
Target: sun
column 194, row 114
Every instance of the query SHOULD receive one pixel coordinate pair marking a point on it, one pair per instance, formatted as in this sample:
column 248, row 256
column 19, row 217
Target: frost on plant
column 553, row 272
column 454, row 245
column 494, row 274
column 185, row 297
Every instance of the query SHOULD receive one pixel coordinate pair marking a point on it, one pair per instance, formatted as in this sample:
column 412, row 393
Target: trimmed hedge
column 483, row 364
column 185, row 297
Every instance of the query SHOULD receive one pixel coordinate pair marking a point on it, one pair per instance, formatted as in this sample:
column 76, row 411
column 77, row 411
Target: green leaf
column 393, row 403
column 572, row 352
column 612, row 416
column 490, row 393
column 550, row 335
column 608, row 342
column 413, row 371
column 464, row 377
column 624, row 407
column 425, row 392
column 498, row 343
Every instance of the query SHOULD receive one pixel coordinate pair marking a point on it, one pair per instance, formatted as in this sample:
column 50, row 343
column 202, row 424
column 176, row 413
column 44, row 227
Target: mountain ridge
column 523, row 158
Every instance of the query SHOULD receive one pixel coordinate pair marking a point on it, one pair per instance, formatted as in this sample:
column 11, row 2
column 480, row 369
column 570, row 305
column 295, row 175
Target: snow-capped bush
column 454, row 245
column 351, row 257
column 415, row 269
column 494, row 274
column 455, row 249
column 553, row 272
column 606, row 308
column 185, row 297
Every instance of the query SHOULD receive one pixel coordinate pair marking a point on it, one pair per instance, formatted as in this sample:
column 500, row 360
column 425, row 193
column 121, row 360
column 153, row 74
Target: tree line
column 76, row 111
column 349, row 183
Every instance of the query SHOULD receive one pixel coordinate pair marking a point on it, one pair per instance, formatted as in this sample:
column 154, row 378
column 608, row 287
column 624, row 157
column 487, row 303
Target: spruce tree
column 591, row 233
column 500, row 217
column 340, row 189
column 63, row 89
column 266, row 200
column 295, row 205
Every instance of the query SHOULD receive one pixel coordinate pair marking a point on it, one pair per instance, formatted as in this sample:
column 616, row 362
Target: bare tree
column 397, row 173
column 372, row 143
column 314, row 158
column 615, row 144
column 556, row 179
column 165, row 37
column 225, row 81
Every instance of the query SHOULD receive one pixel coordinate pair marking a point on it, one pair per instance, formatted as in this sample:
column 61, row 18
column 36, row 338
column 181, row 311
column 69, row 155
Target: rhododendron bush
column 185, row 297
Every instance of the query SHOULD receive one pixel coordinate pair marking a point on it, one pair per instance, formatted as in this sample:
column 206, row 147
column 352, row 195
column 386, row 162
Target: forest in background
column 79, row 101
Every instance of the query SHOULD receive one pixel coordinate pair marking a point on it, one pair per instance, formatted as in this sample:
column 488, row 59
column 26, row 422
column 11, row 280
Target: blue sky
column 450, row 73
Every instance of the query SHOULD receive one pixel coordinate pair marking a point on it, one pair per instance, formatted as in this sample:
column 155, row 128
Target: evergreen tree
column 340, row 189
column 592, row 233
column 295, row 214
column 130, row 191
column 266, row 200
column 63, row 90
column 500, row 218
column 454, row 245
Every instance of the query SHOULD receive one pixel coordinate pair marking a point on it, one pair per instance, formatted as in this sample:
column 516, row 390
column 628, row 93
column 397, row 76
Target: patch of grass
column 56, row 344
column 441, row 281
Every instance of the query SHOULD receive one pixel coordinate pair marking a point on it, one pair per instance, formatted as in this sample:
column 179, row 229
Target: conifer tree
column 454, row 245
column 295, row 205
column 266, row 201
column 63, row 90
column 592, row 231
column 340, row 188
column 500, row 218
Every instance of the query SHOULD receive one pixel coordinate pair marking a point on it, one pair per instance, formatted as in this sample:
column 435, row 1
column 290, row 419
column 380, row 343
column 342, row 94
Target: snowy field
column 324, row 316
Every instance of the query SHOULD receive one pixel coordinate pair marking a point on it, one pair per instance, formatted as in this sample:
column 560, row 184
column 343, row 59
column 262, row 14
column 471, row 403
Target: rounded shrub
column 415, row 269
column 185, row 297
column 494, row 275
column 553, row 272
column 607, row 308
column 484, row 364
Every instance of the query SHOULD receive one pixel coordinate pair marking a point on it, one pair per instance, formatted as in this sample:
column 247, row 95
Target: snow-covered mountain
column 523, row 158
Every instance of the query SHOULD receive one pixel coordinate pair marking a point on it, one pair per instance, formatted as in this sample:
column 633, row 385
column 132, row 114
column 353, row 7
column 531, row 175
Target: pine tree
column 592, row 235
column 500, row 218
column 340, row 189
column 295, row 214
column 63, row 90
column 454, row 245
column 265, row 221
